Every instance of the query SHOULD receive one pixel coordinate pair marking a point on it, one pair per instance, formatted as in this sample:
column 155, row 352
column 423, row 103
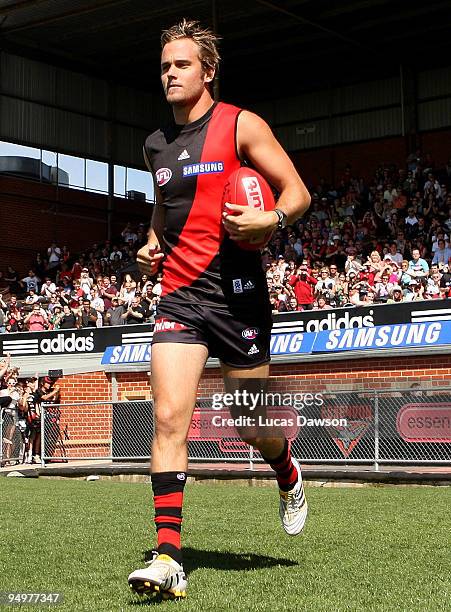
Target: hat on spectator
column 413, row 282
column 85, row 270
column 396, row 288
column 336, row 237
column 391, row 262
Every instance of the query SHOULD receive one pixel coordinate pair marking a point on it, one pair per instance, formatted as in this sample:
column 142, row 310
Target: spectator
column 48, row 288
column 135, row 312
column 36, row 320
column 115, row 254
column 352, row 265
column 68, row 319
column 157, row 288
column 14, row 308
column 30, row 282
column 143, row 283
column 396, row 295
column 76, row 295
column 86, row 282
column 107, row 292
column 383, row 288
column 32, row 298
column 394, row 254
column 30, row 408
column 113, row 281
column 149, row 302
column 12, row 278
column 64, row 274
column 54, row 302
column 128, row 235
column 98, row 304
column 53, row 255
column 292, row 305
column 55, row 317
column 128, row 290
column 325, row 283
column 303, row 285
column 433, row 284
column 416, row 291
column 87, row 316
column 341, row 290
column 442, row 253
column 418, row 267
column 4, row 287
column 322, row 303
column 115, row 314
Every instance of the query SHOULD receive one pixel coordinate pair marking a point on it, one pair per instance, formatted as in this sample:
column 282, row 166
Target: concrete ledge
column 314, row 476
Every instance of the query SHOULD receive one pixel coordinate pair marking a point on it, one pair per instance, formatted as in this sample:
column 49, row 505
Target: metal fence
column 353, row 427
column 10, row 437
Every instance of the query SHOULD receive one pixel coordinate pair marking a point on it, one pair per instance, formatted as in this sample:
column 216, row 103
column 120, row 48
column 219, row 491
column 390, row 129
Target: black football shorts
column 237, row 333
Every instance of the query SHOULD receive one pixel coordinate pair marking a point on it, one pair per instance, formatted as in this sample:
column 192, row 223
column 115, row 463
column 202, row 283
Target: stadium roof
column 270, row 48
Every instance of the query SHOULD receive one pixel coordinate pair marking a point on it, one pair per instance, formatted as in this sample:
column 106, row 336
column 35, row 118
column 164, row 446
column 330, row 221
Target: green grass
column 378, row 549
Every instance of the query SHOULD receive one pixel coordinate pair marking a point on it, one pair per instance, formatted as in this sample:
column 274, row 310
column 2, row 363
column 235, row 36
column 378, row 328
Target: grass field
column 363, row 549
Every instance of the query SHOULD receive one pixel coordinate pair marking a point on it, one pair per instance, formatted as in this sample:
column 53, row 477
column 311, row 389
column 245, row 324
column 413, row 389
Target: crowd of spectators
column 20, row 413
column 384, row 241
column 93, row 289
column 359, row 244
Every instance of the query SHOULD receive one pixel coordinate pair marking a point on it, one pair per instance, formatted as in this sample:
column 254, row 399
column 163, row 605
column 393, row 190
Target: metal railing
column 371, row 427
column 10, row 437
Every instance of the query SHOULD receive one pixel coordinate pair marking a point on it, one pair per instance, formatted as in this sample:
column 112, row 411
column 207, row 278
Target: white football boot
column 293, row 505
column 162, row 576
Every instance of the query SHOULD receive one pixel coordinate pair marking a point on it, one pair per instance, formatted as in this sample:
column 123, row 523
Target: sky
column 87, row 174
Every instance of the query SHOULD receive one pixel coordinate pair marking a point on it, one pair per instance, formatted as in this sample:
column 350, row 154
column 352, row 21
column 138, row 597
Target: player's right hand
column 149, row 258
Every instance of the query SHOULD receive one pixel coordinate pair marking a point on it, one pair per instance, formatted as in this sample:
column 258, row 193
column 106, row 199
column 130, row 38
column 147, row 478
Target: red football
column 246, row 187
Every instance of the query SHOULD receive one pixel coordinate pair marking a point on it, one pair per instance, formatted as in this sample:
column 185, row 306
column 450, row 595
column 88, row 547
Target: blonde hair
column 205, row 39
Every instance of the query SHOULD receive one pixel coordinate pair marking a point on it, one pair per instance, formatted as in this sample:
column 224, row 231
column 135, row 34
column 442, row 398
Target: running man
column 212, row 290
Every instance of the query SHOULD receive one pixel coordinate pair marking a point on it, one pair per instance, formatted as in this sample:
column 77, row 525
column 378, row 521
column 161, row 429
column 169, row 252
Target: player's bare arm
column 257, row 144
column 150, row 256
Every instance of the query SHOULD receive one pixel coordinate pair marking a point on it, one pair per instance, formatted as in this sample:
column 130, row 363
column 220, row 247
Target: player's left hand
column 244, row 223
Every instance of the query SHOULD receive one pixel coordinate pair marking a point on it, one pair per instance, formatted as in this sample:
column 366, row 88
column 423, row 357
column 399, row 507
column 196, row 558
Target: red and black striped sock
column 168, row 500
column 286, row 473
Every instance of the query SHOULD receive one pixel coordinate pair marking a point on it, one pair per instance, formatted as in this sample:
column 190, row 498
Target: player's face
column 182, row 74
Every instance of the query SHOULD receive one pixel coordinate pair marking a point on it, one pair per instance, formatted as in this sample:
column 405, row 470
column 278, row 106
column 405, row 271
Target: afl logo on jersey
column 163, row 176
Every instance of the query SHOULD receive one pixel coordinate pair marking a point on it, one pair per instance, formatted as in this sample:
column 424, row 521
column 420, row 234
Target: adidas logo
column 183, row 155
column 249, row 285
column 253, row 350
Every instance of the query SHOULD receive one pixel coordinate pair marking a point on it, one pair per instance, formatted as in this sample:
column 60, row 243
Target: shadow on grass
column 194, row 559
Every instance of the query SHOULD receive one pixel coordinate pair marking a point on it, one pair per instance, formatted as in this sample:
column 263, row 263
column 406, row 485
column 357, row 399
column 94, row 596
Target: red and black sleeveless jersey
column 191, row 164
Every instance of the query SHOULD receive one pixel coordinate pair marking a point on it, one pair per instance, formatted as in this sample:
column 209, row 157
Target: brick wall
column 34, row 215
column 89, row 427
column 364, row 158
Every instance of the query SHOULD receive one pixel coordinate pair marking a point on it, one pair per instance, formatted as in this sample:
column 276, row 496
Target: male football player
column 212, row 290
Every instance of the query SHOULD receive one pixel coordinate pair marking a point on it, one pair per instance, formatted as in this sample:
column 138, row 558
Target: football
column 247, row 187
